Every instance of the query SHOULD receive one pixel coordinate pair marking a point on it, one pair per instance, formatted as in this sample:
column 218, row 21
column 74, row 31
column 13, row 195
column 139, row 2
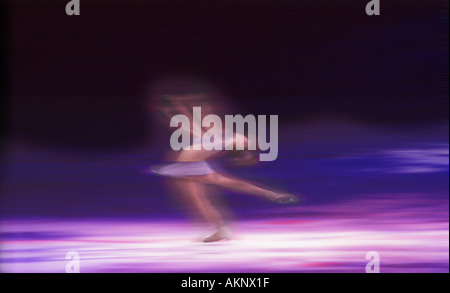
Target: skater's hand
column 244, row 158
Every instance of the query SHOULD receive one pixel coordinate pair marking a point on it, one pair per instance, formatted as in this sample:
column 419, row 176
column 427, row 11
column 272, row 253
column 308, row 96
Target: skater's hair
column 185, row 90
column 196, row 99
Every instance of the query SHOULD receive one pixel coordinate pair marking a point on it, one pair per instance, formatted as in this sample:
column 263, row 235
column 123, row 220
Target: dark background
column 79, row 81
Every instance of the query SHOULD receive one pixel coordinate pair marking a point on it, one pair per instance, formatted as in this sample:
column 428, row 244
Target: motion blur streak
column 326, row 238
column 367, row 189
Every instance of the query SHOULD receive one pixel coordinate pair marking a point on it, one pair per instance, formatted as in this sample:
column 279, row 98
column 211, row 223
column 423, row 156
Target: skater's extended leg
column 245, row 186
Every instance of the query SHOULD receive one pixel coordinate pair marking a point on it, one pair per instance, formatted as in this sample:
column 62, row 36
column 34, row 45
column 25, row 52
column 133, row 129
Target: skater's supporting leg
column 196, row 192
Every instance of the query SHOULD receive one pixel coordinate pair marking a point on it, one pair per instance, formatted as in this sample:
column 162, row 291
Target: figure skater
column 190, row 170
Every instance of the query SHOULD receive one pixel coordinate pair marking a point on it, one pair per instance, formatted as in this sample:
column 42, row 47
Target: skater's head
column 178, row 94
